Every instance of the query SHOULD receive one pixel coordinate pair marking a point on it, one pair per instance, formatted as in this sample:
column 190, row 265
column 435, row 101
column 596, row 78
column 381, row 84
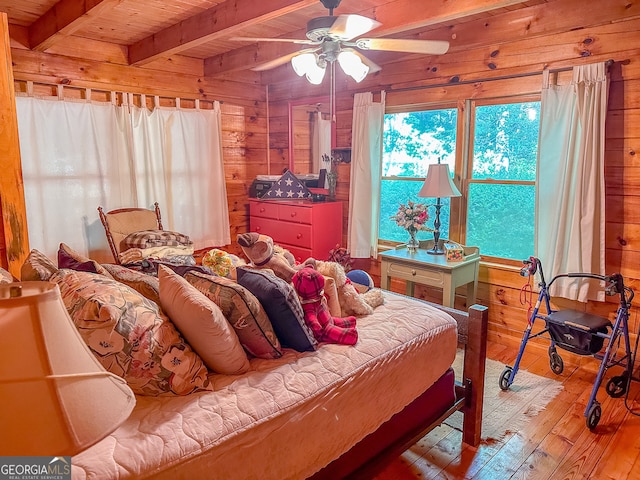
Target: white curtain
column 177, row 161
column 74, row 158
column 321, row 142
column 570, row 214
column 366, row 168
column 78, row 155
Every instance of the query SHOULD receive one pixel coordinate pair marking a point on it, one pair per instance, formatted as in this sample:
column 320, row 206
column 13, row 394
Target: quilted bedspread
column 285, row 418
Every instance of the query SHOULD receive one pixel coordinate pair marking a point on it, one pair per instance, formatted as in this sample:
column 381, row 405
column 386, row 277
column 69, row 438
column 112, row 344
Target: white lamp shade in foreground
column 56, row 398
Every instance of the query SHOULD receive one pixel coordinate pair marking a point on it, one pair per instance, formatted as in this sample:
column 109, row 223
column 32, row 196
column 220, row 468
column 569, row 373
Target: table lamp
column 438, row 184
column 56, row 397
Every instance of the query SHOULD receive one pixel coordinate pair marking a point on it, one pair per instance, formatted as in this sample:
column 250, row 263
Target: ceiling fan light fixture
column 352, row 65
column 309, row 65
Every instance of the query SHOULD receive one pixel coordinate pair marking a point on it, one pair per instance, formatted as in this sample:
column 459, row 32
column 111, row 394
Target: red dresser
column 304, row 228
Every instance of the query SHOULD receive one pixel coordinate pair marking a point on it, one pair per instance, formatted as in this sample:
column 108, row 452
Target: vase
column 413, row 243
column 332, row 180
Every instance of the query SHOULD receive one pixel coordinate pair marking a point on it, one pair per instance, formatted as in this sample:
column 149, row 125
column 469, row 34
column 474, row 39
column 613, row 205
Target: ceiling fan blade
column 276, row 62
column 265, row 39
column 429, row 47
column 346, row 27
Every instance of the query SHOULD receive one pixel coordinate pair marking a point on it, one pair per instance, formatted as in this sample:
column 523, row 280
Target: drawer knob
column 413, row 272
column 262, row 210
column 257, row 229
column 293, row 214
column 299, row 236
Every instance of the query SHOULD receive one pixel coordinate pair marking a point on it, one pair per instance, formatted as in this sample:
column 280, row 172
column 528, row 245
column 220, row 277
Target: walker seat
column 577, row 331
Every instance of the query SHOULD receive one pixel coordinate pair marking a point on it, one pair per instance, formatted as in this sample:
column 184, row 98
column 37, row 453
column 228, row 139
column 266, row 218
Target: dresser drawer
column 264, row 209
column 300, row 254
column 295, row 234
column 407, row 272
column 294, row 213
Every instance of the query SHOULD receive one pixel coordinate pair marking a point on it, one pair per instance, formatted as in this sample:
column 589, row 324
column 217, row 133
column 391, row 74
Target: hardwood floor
column 555, row 444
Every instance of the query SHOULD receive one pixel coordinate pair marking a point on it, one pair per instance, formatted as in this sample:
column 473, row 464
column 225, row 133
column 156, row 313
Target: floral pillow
column 130, row 336
column 5, row 276
column 147, row 285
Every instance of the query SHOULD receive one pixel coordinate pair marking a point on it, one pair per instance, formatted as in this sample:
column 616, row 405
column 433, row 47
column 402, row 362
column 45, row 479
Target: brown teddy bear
column 261, row 252
column 309, row 285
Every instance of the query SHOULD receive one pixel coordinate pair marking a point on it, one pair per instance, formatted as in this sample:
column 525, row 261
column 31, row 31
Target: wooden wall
column 506, row 57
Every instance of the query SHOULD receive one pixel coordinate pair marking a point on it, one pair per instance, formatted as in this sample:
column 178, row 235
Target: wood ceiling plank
column 63, row 19
column 396, row 17
column 221, row 20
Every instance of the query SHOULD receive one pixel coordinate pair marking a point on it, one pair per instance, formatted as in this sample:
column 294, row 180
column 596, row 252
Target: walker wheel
column 617, row 386
column 593, row 417
column 504, row 378
column 556, row 363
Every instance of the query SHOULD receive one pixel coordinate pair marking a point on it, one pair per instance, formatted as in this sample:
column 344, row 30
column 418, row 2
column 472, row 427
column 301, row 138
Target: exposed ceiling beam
column 396, row 17
column 63, row 19
column 217, row 22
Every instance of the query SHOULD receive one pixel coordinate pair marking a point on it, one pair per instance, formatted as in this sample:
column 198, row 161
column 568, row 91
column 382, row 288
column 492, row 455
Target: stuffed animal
column 222, row 263
column 262, row 253
column 351, row 302
column 309, row 284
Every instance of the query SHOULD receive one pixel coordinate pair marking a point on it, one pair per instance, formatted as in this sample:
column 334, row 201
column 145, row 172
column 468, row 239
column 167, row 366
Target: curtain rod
column 503, row 77
column 64, row 84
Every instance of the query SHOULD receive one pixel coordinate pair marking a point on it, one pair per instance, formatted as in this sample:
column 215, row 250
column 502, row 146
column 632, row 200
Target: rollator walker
column 581, row 333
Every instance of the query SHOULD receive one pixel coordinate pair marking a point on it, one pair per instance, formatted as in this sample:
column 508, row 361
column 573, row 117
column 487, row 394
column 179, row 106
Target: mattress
column 285, row 418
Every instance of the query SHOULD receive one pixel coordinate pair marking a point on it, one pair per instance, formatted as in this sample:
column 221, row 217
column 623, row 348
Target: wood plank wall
column 489, row 59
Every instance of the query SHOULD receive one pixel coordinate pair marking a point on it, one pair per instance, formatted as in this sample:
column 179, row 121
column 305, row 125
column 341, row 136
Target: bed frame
column 372, row 454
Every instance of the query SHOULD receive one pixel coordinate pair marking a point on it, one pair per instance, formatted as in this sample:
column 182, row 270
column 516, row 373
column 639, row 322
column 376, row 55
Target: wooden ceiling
column 154, row 29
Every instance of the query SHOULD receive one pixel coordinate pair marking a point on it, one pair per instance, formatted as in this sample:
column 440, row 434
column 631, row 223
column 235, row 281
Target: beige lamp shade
column 56, row 399
column 438, row 183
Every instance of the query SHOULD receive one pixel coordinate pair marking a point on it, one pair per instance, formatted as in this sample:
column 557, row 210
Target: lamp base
column 435, row 251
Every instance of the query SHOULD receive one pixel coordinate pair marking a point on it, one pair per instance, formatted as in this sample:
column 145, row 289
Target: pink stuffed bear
column 310, row 287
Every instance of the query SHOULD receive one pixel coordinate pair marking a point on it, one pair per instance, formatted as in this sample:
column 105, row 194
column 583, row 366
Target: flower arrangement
column 412, row 217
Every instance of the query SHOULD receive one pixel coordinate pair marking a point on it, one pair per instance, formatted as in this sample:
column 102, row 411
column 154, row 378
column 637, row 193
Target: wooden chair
column 123, row 221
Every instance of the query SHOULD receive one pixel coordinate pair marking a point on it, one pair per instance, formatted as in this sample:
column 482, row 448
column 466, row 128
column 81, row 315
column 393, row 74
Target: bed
column 340, row 411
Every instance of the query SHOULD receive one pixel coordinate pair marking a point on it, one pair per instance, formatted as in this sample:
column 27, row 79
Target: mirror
column 311, row 135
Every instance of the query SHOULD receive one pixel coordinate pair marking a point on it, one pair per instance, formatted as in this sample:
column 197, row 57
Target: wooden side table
column 432, row 270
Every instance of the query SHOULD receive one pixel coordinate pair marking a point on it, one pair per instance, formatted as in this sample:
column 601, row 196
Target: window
column 499, row 172
column 413, row 140
column 502, row 174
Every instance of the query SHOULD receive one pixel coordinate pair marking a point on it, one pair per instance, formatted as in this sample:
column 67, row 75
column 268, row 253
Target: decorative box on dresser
column 306, row 229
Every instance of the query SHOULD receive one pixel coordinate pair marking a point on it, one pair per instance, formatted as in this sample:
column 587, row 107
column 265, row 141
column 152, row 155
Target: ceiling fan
column 335, row 38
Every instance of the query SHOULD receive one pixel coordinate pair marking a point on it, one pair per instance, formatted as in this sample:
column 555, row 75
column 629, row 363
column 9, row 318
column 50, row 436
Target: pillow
column 154, row 238
column 202, row 324
column 5, row 276
column 69, row 258
column 280, row 301
column 37, row 267
column 243, row 311
column 146, row 285
column 130, row 336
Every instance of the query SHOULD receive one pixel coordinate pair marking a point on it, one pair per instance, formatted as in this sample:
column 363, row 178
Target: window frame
column 454, row 201
column 462, row 174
